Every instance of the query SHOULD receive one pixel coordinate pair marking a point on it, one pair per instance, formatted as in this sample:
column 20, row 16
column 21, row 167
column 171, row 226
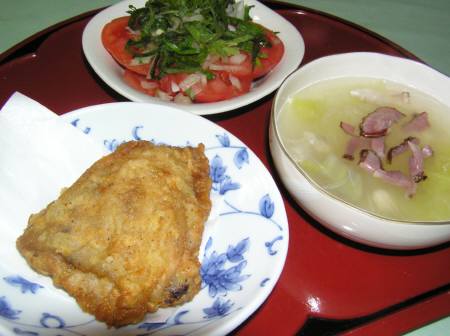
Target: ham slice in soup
column 347, row 128
column 370, row 143
column 357, row 143
column 399, row 179
column 377, row 145
column 418, row 123
column 371, row 162
column 354, row 145
column 378, row 122
column 416, row 163
column 400, row 148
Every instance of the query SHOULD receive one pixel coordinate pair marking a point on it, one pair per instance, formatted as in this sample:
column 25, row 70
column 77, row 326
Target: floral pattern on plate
column 244, row 244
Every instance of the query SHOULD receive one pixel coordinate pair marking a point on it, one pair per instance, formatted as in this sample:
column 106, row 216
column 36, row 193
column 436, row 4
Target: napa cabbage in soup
column 377, row 145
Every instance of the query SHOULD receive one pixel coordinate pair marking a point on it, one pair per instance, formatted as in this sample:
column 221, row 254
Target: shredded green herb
column 177, row 35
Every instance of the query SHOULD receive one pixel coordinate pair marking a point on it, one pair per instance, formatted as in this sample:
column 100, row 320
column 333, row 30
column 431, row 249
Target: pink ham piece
column 377, row 145
column 401, row 148
column 370, row 161
column 347, row 128
column 371, row 145
column 418, row 123
column 416, row 162
column 398, row 179
column 354, row 145
column 378, row 122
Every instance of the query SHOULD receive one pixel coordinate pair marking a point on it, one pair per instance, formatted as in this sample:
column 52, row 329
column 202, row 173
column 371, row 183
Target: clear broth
column 309, row 128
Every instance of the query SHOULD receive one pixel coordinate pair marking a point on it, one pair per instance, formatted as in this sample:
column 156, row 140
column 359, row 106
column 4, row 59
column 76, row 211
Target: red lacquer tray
column 329, row 284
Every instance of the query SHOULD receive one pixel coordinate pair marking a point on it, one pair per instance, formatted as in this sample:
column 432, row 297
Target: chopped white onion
column 203, row 79
column 151, row 65
column 148, row 85
column 405, row 97
column 195, row 90
column 209, row 60
column 236, row 10
column 133, row 32
column 141, row 60
column 174, row 87
column 217, row 67
column 372, row 96
column 225, row 67
column 163, row 95
column 237, row 59
column 196, row 17
column 189, row 81
column 235, row 82
column 182, row 99
column 157, row 32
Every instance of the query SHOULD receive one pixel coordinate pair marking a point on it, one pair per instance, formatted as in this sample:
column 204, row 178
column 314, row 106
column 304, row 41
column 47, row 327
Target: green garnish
column 180, row 34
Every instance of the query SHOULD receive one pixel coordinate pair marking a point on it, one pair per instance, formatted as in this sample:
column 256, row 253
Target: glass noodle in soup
column 393, row 163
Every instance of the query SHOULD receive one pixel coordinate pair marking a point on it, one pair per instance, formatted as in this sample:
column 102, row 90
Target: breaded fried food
column 124, row 239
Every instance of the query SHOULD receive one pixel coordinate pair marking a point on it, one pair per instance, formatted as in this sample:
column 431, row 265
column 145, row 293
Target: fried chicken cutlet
column 124, row 239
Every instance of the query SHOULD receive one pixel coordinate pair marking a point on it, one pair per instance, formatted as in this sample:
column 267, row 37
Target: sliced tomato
column 272, row 55
column 223, row 86
column 238, row 65
column 240, row 84
column 140, row 82
column 215, row 90
column 170, row 82
column 114, row 38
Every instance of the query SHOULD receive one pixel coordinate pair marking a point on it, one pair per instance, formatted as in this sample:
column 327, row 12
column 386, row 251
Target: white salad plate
column 243, row 250
column 111, row 72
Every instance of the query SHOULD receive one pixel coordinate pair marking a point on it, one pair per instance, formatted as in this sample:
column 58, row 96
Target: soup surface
column 310, row 126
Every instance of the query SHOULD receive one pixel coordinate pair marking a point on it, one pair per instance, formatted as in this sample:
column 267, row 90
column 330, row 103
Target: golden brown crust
column 124, row 238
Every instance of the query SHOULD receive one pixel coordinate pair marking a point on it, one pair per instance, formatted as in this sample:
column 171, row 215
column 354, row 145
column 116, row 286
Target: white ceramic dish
column 331, row 212
column 247, row 231
column 111, row 73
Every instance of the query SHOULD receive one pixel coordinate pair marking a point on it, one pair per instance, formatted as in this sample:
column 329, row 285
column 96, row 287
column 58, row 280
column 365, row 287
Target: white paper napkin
column 40, row 154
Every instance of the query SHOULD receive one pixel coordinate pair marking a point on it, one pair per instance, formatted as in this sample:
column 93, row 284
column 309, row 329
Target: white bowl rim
column 275, row 112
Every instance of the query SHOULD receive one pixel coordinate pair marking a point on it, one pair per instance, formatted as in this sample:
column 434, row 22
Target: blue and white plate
column 244, row 244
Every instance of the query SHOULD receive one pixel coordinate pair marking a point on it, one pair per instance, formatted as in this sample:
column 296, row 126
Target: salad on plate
column 189, row 51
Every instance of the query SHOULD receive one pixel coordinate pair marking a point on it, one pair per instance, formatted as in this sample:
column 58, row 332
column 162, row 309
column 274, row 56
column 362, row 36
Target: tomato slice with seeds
column 273, row 55
column 114, row 38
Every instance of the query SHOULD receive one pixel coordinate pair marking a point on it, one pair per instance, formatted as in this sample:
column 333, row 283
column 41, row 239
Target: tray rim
column 32, row 42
